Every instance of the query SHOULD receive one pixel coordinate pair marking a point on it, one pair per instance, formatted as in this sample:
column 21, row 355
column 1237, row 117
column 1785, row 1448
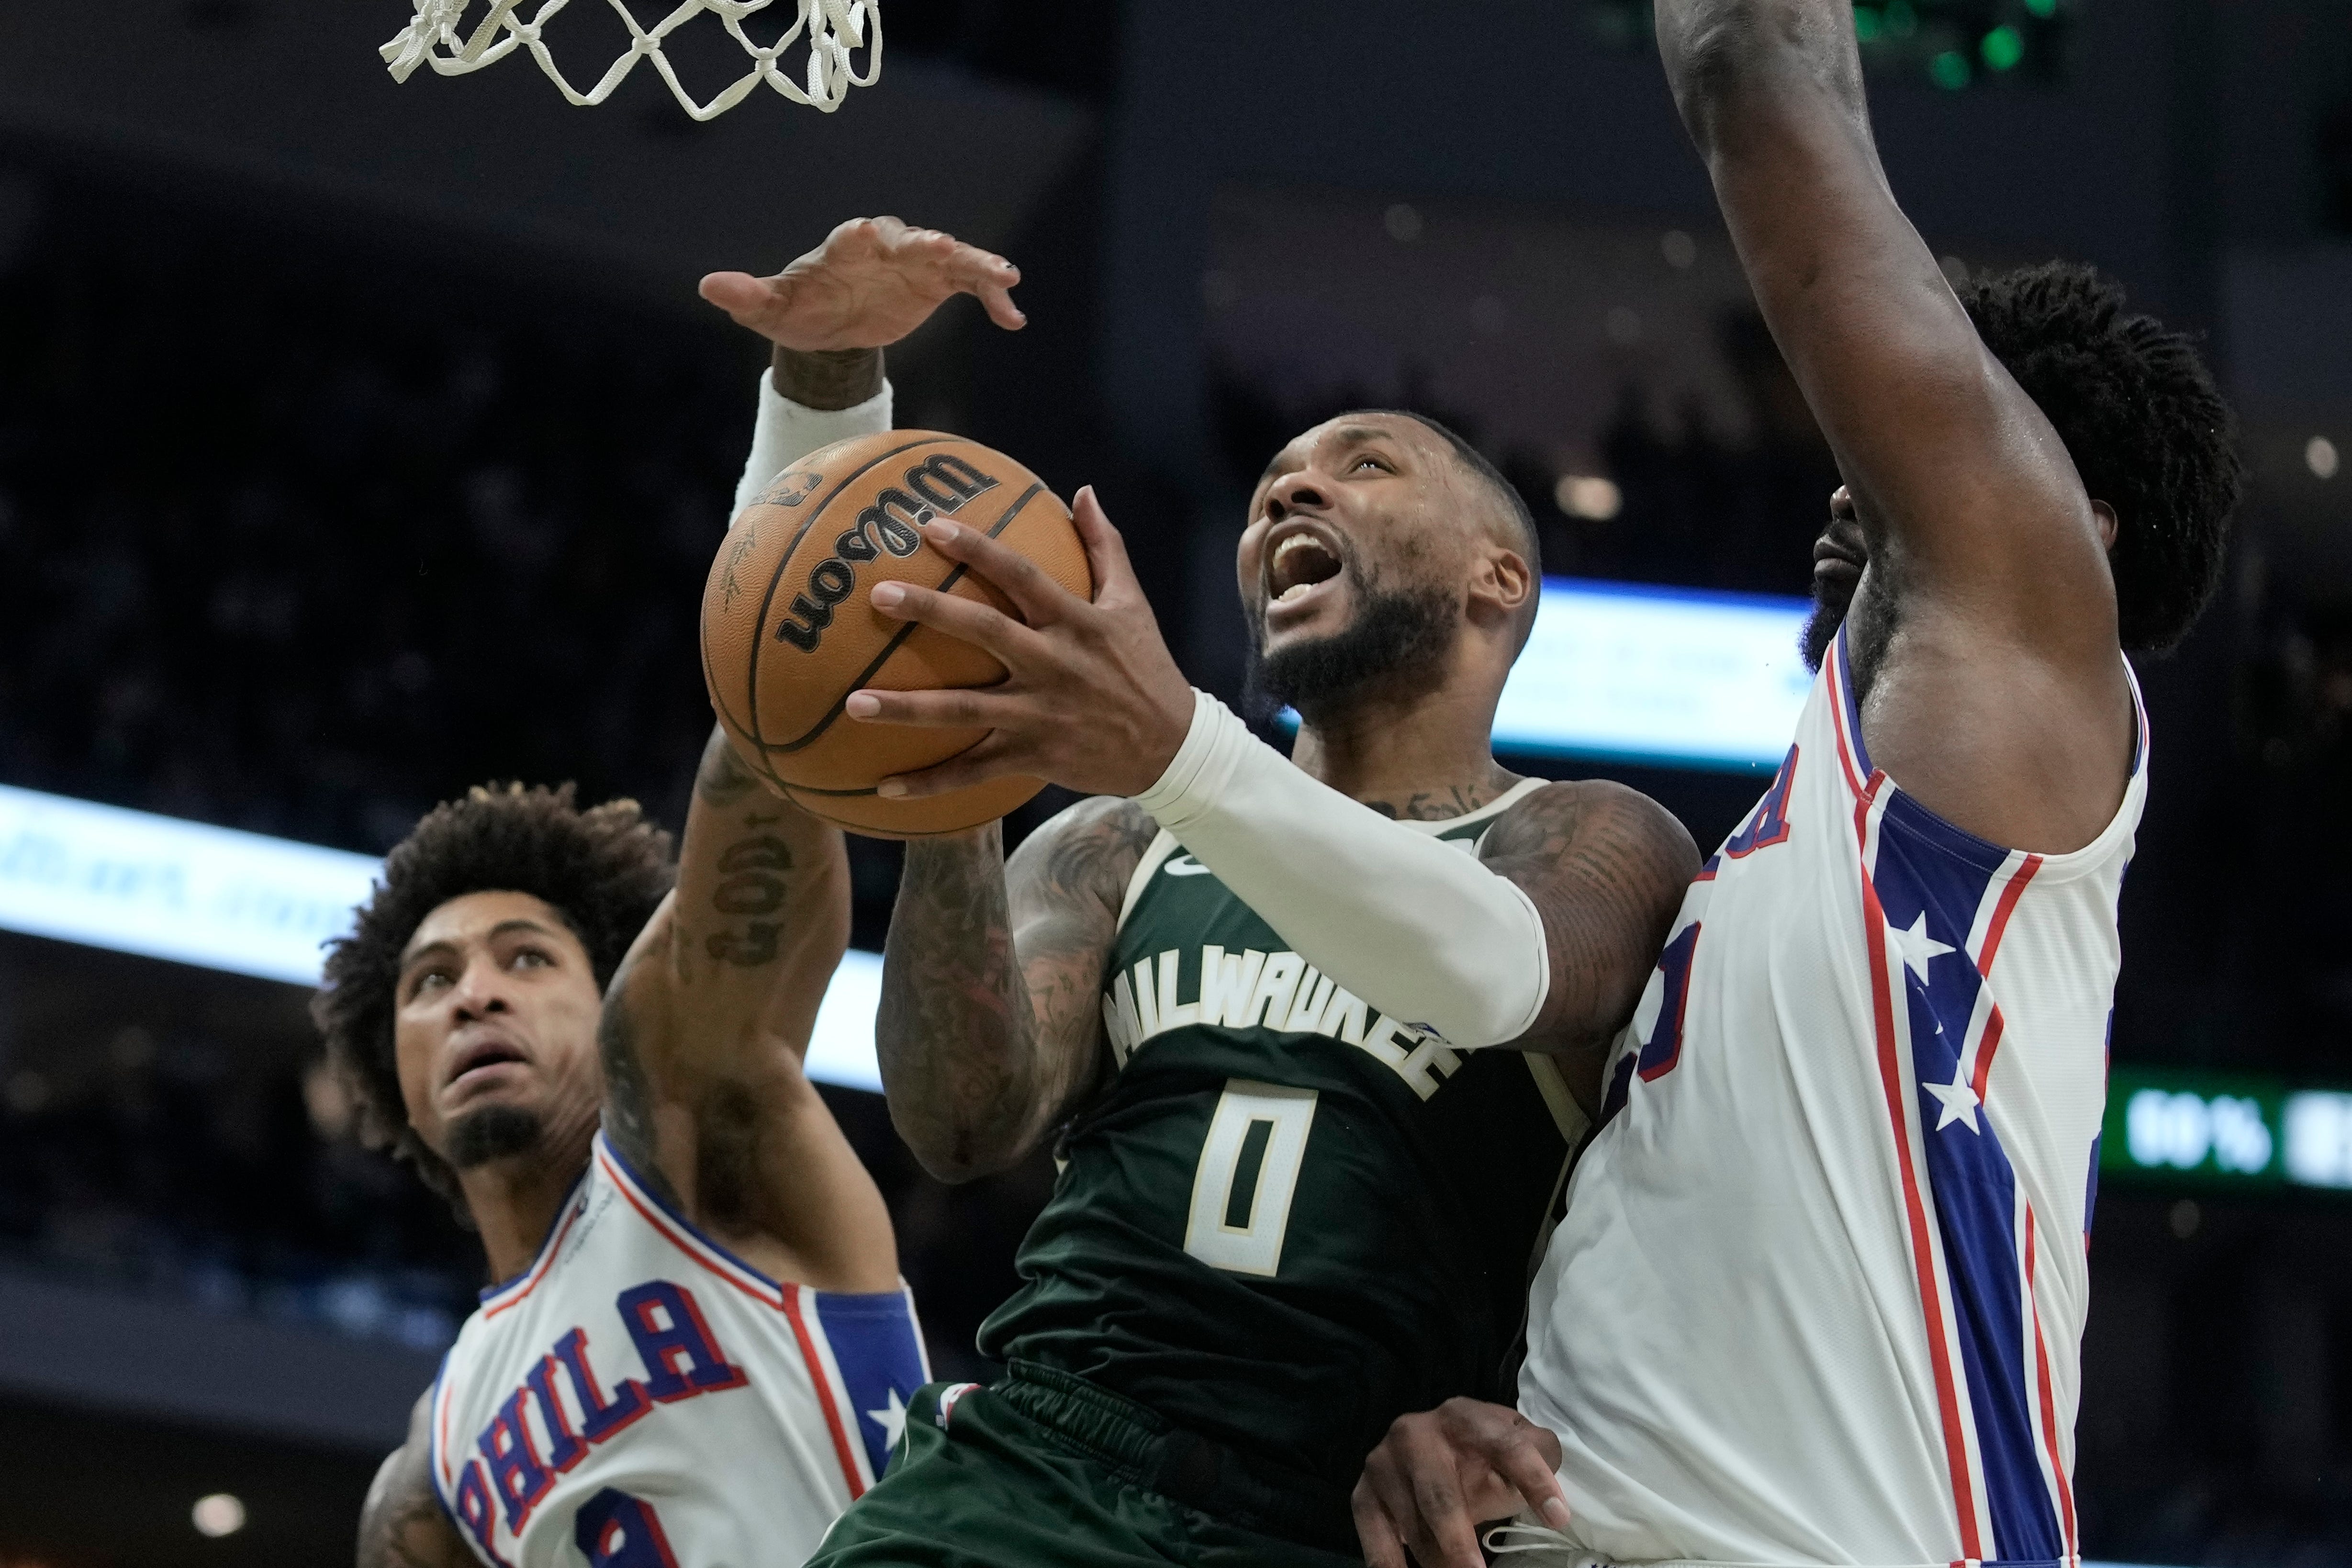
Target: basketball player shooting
column 1247, row 992
column 1820, row 1292
column 701, row 1345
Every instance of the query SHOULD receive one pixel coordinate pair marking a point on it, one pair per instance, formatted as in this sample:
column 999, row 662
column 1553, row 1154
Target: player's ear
column 2105, row 516
column 1502, row 586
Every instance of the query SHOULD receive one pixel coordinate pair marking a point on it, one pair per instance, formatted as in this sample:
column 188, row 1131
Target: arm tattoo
column 722, row 779
column 628, row 1094
column 828, row 378
column 410, row 1532
column 1606, row 868
column 402, row 1524
column 752, row 870
column 990, row 1026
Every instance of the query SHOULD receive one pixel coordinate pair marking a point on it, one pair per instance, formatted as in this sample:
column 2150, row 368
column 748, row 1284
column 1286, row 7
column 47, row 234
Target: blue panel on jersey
column 880, row 1352
column 1932, row 879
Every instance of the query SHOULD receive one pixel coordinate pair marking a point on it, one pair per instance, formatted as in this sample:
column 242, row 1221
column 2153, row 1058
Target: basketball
column 788, row 634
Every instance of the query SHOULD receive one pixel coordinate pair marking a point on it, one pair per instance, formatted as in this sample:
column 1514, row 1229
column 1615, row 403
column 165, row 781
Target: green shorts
column 1041, row 1470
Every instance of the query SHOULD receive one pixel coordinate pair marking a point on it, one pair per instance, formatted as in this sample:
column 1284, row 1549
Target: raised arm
column 705, row 1027
column 707, row 1022
column 1999, row 696
column 991, row 1028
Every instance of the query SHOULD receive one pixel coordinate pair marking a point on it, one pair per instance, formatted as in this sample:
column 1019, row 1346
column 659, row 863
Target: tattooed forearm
column 828, row 378
column 751, row 885
column 723, row 780
column 990, row 1025
column 953, row 1034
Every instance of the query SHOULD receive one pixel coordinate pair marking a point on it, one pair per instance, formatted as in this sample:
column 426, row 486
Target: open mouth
column 481, row 1057
column 1299, row 562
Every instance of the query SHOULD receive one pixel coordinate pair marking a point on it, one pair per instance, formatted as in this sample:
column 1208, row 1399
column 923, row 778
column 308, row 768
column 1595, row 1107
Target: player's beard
column 1399, row 635
column 1830, row 601
column 493, row 1133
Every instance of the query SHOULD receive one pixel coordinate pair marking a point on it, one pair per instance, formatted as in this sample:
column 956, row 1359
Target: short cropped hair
column 2147, row 427
column 603, row 870
column 1515, row 505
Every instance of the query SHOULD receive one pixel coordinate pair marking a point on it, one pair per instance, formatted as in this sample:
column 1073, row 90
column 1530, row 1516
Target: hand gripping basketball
column 1091, row 701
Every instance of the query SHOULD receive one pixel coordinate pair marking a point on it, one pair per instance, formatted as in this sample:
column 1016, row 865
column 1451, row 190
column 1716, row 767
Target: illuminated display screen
column 249, row 904
column 2207, row 1130
column 1658, row 675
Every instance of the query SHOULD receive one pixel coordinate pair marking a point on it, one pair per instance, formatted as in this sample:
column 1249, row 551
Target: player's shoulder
column 1571, row 816
column 1092, row 846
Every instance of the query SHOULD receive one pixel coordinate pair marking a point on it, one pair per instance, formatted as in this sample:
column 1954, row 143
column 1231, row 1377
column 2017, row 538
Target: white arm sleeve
column 1422, row 932
column 786, row 432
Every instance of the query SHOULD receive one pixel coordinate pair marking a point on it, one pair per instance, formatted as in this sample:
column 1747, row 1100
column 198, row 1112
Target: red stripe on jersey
column 546, row 1261
column 2049, row 1400
column 2003, row 910
column 1837, row 722
column 1890, row 1074
column 653, row 1217
column 825, row 1393
column 1995, row 1024
column 448, row 1477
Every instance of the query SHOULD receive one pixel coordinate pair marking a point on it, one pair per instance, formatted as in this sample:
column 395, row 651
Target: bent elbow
column 955, row 1154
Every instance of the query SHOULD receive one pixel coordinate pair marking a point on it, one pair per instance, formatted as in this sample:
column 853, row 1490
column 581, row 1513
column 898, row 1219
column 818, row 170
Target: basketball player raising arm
column 1862, row 1097
column 1248, row 992
column 673, row 1208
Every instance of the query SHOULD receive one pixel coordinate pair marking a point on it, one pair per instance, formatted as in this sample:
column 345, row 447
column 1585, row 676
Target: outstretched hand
column 1092, row 701
column 1437, row 1476
column 870, row 283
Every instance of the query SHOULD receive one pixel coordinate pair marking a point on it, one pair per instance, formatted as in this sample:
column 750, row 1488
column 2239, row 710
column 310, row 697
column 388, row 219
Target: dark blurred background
column 359, row 442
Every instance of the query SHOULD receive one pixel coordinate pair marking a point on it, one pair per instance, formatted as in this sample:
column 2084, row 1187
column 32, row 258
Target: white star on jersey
column 893, row 1420
column 1959, row 1097
column 1917, row 946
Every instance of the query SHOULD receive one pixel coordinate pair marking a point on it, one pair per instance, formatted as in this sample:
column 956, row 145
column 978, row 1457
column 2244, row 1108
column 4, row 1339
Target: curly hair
column 2142, row 419
column 603, row 869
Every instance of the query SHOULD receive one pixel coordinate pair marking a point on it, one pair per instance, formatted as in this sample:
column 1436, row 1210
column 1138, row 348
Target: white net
column 831, row 31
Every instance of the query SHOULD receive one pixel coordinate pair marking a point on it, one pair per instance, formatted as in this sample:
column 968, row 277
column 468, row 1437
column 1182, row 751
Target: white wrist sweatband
column 785, row 432
column 1404, row 920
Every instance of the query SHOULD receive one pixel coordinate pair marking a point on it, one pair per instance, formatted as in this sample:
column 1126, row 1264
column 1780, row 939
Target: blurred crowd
column 302, row 547
column 172, row 1163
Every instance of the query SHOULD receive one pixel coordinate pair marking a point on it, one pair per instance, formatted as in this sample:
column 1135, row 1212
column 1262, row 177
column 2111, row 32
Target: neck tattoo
column 1441, row 804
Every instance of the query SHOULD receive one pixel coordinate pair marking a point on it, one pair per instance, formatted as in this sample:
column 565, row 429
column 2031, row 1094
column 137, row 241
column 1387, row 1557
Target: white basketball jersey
column 641, row 1398
column 1820, row 1292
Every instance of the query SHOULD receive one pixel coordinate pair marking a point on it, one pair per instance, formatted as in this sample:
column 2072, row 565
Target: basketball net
column 833, row 29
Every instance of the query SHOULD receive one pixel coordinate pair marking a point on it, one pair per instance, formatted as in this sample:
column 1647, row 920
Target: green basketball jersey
column 1286, row 1220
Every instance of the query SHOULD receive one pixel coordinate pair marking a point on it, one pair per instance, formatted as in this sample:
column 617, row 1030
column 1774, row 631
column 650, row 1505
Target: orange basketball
column 787, row 633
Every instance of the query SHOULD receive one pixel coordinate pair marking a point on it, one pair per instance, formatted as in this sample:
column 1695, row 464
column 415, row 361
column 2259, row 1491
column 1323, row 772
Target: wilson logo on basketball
column 944, row 483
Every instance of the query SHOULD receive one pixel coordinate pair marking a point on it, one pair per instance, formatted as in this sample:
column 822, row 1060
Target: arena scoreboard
column 2218, row 1133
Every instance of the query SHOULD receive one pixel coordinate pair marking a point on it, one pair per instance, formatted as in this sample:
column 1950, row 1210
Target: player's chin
column 1323, row 610
column 492, row 1127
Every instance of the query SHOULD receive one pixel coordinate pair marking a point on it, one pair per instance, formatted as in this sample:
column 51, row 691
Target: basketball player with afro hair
column 1863, row 1093
column 594, row 1053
